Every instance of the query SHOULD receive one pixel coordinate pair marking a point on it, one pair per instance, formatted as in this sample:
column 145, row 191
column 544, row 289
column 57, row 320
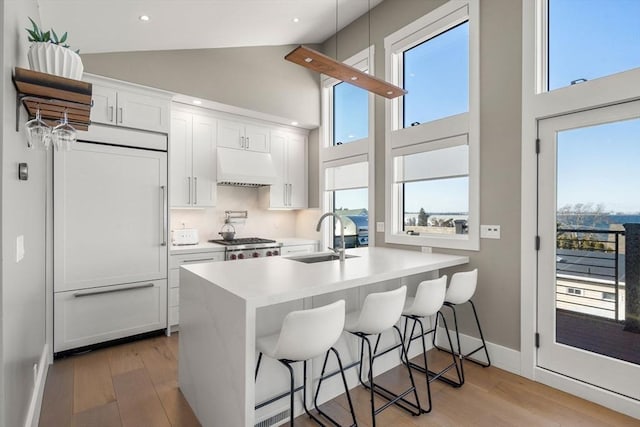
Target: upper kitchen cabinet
column 243, row 136
column 289, row 154
column 128, row 105
column 192, row 158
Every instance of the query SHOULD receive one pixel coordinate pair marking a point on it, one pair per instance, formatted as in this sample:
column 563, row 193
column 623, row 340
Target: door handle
column 242, row 142
column 110, row 291
column 111, row 113
column 290, row 194
column 187, row 261
column 195, row 190
column 121, row 114
column 247, row 146
column 164, row 215
column 189, row 193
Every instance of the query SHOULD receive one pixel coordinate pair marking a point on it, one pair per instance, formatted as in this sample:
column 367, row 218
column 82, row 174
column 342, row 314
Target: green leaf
column 46, row 36
column 35, row 26
column 32, row 36
column 64, row 38
column 55, row 37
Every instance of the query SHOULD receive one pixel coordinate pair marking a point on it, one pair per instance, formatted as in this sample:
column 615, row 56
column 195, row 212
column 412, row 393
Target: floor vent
column 277, row 418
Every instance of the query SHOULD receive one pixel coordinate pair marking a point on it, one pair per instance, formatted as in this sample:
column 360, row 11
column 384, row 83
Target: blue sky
column 588, row 39
column 591, row 39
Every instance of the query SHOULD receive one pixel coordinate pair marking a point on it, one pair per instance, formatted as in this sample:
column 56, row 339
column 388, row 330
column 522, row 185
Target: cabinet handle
column 195, row 190
column 247, row 146
column 189, row 193
column 110, row 291
column 121, row 113
column 242, row 142
column 187, row 261
column 164, row 215
column 290, row 193
column 111, row 113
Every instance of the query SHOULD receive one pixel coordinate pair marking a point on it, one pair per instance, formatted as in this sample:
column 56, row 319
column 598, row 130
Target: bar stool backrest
column 381, row 310
column 462, row 287
column 306, row 334
column 429, row 297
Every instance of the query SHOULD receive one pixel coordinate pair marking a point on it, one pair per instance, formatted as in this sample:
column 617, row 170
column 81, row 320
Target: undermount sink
column 320, row 258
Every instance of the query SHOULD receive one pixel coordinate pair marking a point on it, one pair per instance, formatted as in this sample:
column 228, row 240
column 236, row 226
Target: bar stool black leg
column 346, row 389
column 484, row 344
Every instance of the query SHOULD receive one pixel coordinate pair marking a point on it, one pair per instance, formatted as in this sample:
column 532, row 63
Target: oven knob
column 255, row 255
column 232, row 256
column 275, row 253
column 240, row 256
column 269, row 253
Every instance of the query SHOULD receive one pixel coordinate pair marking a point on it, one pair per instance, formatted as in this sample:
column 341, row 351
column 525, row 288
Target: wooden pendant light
column 324, row 64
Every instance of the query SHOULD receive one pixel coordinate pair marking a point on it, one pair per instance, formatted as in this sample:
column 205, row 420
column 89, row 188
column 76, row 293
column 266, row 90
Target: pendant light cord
column 336, row 36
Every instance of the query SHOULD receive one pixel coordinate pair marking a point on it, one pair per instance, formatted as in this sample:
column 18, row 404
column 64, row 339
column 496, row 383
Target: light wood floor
column 136, row 385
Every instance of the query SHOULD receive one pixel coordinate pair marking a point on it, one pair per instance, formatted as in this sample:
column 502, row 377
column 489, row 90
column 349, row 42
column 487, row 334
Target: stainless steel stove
column 249, row 247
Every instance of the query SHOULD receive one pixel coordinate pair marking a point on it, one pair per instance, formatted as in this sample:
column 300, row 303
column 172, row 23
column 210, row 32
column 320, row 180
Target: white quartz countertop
column 266, row 281
column 194, row 249
column 213, row 247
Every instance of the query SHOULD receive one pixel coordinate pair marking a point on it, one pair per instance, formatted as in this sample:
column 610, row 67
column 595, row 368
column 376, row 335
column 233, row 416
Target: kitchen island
column 219, row 304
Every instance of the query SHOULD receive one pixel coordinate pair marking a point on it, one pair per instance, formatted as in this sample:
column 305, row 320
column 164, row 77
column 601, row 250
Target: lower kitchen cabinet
column 175, row 261
column 293, row 250
column 89, row 316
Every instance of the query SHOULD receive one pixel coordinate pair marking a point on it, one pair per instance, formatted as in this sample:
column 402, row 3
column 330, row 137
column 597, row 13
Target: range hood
column 245, row 168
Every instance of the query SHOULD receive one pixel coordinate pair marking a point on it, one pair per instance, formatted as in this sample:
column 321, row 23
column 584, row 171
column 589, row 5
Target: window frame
column 440, row 20
column 352, row 152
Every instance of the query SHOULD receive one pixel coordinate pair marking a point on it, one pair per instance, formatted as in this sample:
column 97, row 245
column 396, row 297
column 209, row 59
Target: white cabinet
column 192, row 154
column 121, row 105
column 243, row 136
column 293, row 250
column 289, row 154
column 175, row 261
column 91, row 316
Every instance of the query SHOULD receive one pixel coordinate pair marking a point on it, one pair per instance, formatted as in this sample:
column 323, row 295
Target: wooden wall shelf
column 53, row 95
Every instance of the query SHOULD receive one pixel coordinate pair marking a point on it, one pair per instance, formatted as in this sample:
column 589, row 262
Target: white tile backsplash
column 260, row 222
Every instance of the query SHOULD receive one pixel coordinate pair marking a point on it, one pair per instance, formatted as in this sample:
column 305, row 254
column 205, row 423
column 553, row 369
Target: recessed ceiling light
column 354, row 78
column 143, row 18
column 294, row 123
column 197, row 101
column 389, row 92
column 308, row 60
column 296, row 20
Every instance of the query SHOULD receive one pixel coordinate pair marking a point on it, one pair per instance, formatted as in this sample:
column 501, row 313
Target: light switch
column 490, row 231
column 19, row 248
column 380, row 227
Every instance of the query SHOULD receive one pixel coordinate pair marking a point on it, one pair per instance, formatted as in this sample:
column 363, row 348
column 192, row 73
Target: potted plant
column 50, row 54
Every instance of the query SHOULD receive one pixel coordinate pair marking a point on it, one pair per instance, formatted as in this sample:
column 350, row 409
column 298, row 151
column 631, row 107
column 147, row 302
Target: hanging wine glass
column 38, row 132
column 64, row 134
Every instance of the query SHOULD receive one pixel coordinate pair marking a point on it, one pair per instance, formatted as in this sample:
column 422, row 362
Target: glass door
column 589, row 258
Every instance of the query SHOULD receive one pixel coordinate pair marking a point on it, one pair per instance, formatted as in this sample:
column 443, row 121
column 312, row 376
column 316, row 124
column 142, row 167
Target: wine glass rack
column 53, row 95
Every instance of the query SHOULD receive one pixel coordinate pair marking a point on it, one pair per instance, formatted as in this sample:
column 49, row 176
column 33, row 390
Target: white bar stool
column 461, row 289
column 428, row 302
column 380, row 312
column 306, row 334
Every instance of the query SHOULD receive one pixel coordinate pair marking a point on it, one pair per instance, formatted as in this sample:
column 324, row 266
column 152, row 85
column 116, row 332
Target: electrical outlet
column 490, row 231
column 380, row 227
column 426, row 249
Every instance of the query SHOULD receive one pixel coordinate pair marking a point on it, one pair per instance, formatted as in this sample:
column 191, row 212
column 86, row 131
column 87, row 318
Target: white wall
column 261, row 222
column 23, row 213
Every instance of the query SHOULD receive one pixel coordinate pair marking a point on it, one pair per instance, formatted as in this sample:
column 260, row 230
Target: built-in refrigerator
column 110, row 238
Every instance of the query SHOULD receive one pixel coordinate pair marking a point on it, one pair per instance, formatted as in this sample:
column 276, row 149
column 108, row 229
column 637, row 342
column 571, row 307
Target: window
column 432, row 133
column 346, row 186
column 346, row 156
column 350, row 113
column 436, row 74
column 591, row 39
column 608, row 296
column 574, row 291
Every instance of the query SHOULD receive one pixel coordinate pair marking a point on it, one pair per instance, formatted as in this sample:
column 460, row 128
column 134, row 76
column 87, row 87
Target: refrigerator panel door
column 109, row 216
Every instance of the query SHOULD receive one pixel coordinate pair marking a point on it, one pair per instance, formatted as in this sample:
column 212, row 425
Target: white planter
column 54, row 59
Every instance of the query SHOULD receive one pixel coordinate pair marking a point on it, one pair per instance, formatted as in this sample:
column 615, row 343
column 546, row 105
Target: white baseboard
column 501, row 357
column 33, row 416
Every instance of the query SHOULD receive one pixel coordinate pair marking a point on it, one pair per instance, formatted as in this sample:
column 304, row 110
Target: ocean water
column 598, row 221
